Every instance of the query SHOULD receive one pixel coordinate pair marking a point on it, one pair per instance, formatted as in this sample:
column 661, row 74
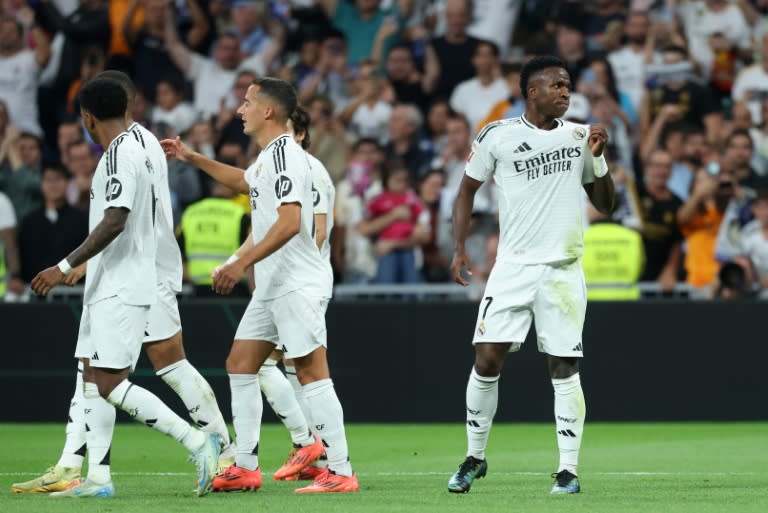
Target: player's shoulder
column 502, row 126
column 319, row 171
column 579, row 131
column 123, row 147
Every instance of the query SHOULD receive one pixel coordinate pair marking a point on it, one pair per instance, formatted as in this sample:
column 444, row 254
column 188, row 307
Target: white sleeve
column 481, row 163
column 197, row 65
column 320, row 188
column 123, row 170
column 293, row 173
column 7, row 215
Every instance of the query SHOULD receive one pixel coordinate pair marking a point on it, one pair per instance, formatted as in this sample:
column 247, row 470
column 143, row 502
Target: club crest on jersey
column 283, row 186
column 114, row 189
column 579, row 133
column 481, row 328
column 258, row 169
column 150, row 167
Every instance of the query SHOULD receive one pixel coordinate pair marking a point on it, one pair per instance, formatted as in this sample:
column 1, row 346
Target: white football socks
column 482, row 401
column 280, row 396
column 146, row 407
column 74, row 446
column 247, row 408
column 99, row 425
column 328, row 423
column 570, row 411
column 197, row 395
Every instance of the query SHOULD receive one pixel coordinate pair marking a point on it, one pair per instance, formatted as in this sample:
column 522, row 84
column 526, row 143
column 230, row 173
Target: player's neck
column 540, row 121
column 108, row 130
column 269, row 134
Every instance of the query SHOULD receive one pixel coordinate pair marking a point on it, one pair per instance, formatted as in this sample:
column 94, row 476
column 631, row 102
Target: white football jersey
column 539, row 175
column 169, row 267
column 126, row 267
column 324, row 196
column 281, row 174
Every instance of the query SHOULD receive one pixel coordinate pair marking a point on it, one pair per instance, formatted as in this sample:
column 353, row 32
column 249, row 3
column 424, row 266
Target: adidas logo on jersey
column 522, row 148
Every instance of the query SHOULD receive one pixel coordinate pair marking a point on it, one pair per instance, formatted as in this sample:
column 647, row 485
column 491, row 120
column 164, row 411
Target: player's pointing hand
column 46, row 280
column 598, row 136
column 174, row 148
column 460, row 261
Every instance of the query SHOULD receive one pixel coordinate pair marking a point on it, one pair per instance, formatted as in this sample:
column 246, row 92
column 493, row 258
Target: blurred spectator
column 661, row 235
column 628, row 62
column 81, row 163
column 711, row 27
column 495, row 20
column 69, row 132
column 404, row 78
column 229, row 124
column 475, row 97
column 738, row 154
column 404, row 148
column 449, row 57
column 604, row 25
column 351, row 252
column 754, row 238
column 330, row 74
column 21, row 180
column 10, row 265
column 184, row 179
column 327, row 136
column 751, row 84
column 437, row 118
column 248, row 17
column 513, row 105
column 212, row 76
column 93, row 63
column 366, row 114
column 672, row 86
column 699, row 218
column 570, row 41
column 20, row 70
column 627, row 210
column 732, row 282
column 53, row 231
column 436, row 267
column 151, row 60
column 400, row 224
column 211, row 230
column 361, row 20
column 171, row 110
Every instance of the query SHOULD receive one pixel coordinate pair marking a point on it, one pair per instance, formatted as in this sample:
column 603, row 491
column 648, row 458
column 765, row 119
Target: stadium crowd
column 396, row 91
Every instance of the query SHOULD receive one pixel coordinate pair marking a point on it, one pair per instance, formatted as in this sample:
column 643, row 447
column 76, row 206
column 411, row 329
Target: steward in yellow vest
column 211, row 230
column 613, row 262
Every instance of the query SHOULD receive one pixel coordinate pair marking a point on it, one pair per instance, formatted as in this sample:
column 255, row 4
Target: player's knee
column 561, row 367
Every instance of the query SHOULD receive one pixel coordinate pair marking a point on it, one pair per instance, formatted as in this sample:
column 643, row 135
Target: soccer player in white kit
column 122, row 251
column 293, row 285
column 539, row 164
column 162, row 341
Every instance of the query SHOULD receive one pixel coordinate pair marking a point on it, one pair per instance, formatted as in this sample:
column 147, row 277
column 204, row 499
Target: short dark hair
column 490, row 44
column 366, row 140
column 55, row 167
column 536, row 65
column 740, row 132
column 175, row 82
column 104, row 99
column 280, row 91
column 300, row 122
column 122, row 79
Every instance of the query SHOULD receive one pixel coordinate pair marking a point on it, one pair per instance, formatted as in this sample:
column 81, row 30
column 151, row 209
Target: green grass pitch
column 638, row 468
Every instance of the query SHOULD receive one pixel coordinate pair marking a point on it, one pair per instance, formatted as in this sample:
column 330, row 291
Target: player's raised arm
column 601, row 192
column 462, row 211
column 231, row 176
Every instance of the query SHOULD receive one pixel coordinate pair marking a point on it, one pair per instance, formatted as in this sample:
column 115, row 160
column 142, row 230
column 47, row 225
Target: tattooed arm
column 101, row 236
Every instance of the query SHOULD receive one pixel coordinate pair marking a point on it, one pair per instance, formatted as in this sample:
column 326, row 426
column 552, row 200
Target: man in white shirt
column 628, row 62
column 751, row 84
column 475, row 97
column 293, row 285
column 540, row 164
column 162, row 338
column 121, row 250
column 20, row 72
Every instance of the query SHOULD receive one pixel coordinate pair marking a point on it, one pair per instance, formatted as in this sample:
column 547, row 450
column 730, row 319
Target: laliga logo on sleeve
column 283, row 186
column 114, row 189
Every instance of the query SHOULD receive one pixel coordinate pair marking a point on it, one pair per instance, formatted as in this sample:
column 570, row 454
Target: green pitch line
column 625, row 468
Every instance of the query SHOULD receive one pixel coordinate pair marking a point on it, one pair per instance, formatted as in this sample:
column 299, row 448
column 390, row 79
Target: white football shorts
column 164, row 321
column 111, row 333
column 554, row 294
column 295, row 323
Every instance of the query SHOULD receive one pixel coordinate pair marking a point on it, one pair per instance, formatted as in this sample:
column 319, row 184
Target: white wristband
column 599, row 166
column 233, row 258
column 64, row 267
